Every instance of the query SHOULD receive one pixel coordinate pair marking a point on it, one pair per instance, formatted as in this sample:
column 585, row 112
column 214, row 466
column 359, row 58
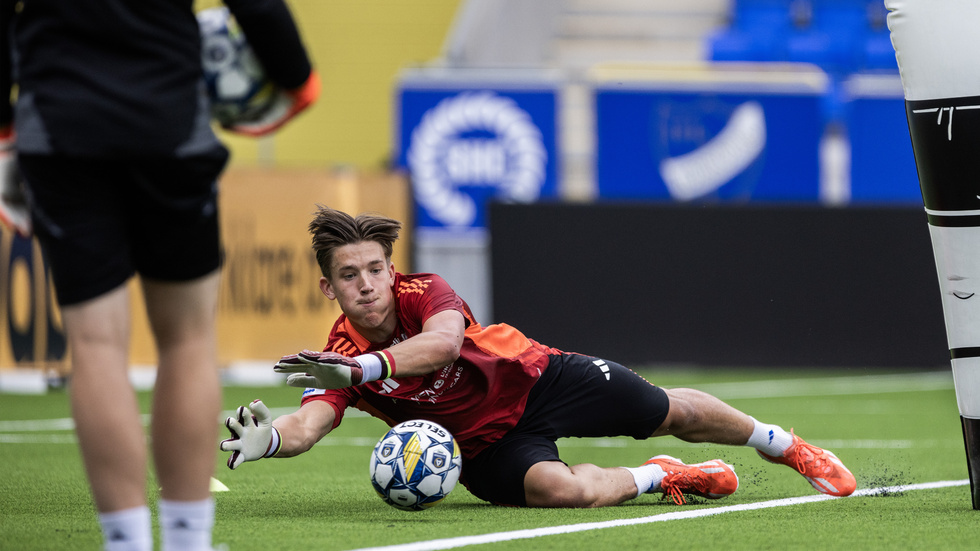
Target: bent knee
column 682, row 414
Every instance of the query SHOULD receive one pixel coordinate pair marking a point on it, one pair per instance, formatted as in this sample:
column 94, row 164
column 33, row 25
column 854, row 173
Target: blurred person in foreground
column 407, row 347
column 111, row 135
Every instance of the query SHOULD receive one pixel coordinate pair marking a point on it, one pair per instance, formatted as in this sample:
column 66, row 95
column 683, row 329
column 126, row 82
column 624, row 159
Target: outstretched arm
column 254, row 435
column 437, row 346
column 302, row 429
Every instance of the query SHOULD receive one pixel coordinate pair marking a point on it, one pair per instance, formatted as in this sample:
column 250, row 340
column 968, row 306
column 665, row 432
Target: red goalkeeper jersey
column 479, row 397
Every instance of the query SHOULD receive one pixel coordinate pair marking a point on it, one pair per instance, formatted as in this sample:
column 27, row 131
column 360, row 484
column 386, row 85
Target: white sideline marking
column 39, row 425
column 852, row 444
column 24, row 436
column 67, row 423
column 832, row 386
column 451, row 543
column 38, row 439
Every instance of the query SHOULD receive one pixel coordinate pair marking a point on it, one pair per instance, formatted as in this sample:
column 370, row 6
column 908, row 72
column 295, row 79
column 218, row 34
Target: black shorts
column 99, row 221
column 577, row 396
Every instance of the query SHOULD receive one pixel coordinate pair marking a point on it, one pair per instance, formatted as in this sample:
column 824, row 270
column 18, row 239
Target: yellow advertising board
column 270, row 301
column 30, row 324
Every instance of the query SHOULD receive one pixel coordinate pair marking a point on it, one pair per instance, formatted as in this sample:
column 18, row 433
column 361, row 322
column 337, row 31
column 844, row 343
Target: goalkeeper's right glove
column 286, row 105
column 330, row 370
column 13, row 202
column 252, row 435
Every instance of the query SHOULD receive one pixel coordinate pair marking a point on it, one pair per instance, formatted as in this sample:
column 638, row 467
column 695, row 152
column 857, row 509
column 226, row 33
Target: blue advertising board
column 710, row 134
column 882, row 162
column 466, row 142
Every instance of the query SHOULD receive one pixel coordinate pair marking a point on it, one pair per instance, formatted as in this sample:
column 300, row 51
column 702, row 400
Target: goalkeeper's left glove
column 13, row 202
column 330, row 370
column 252, row 435
column 286, row 105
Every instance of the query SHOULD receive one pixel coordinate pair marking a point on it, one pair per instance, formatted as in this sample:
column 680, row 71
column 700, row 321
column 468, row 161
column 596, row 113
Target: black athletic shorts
column 99, row 221
column 577, row 396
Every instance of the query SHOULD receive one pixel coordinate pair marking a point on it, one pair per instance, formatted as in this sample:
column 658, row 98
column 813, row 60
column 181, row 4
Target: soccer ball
column 415, row 465
column 237, row 84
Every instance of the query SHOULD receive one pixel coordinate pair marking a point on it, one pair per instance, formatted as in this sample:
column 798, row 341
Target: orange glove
column 286, row 105
column 14, row 212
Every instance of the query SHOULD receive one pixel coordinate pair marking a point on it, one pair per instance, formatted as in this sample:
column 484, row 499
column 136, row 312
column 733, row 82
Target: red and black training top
column 479, row 397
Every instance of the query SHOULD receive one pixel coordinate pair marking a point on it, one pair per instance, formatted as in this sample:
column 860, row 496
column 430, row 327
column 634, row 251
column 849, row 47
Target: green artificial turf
column 888, row 435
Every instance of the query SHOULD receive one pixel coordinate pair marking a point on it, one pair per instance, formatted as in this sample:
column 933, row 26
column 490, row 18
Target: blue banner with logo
column 468, row 144
column 712, row 144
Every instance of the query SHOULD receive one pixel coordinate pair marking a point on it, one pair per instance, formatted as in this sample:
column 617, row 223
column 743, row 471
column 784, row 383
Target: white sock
column 127, row 530
column 186, row 525
column 647, row 477
column 769, row 439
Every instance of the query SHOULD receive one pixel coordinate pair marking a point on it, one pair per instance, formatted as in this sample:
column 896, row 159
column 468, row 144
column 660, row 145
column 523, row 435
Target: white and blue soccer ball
column 237, row 84
column 415, row 465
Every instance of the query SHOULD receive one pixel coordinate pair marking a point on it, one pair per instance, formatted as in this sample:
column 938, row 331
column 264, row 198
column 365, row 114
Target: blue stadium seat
column 840, row 36
column 758, row 14
column 877, row 51
column 746, row 45
column 756, row 33
column 832, row 37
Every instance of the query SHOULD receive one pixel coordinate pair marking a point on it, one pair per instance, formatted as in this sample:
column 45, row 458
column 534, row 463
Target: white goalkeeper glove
column 252, row 435
column 310, row 369
column 286, row 105
column 14, row 212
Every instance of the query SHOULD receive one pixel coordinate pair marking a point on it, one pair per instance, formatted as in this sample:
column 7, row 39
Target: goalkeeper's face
column 361, row 277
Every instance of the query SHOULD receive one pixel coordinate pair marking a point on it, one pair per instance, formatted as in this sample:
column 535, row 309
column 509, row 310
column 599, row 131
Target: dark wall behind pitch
column 753, row 286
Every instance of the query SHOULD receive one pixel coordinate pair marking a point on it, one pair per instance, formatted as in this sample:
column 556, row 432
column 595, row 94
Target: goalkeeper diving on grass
column 407, row 347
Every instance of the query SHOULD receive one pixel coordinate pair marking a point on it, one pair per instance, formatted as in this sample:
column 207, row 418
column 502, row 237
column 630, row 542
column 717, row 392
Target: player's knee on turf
column 552, row 484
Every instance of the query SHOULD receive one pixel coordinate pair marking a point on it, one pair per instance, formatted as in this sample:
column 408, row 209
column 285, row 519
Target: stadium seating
column 840, row 36
column 757, row 32
column 877, row 51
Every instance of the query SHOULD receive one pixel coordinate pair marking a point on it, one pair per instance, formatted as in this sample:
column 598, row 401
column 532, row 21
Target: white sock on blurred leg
column 127, row 530
column 186, row 525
